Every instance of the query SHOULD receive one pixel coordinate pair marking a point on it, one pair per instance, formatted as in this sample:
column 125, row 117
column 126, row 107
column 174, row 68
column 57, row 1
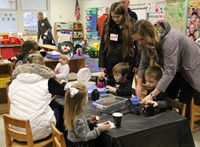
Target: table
column 166, row 129
column 48, row 47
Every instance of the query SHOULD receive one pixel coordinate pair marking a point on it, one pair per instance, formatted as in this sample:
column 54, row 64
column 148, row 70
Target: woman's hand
column 146, row 99
column 111, row 89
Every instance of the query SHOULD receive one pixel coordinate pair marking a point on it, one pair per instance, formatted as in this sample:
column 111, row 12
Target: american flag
column 77, row 10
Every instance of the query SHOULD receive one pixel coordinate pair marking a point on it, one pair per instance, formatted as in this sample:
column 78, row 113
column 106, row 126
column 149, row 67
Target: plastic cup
column 117, row 117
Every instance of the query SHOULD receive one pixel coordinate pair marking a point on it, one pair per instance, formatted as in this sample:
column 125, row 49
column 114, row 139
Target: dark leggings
column 58, row 112
column 186, row 92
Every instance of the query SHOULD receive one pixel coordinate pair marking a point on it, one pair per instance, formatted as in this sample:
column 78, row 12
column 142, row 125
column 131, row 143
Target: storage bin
column 108, row 103
column 88, row 11
column 94, row 54
column 4, row 78
column 102, row 91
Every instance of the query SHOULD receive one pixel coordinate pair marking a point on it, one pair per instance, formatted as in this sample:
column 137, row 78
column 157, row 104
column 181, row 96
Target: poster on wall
column 193, row 20
column 174, row 14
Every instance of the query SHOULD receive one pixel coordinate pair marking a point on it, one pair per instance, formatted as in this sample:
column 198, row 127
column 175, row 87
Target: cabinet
column 6, row 68
column 75, row 29
column 8, row 51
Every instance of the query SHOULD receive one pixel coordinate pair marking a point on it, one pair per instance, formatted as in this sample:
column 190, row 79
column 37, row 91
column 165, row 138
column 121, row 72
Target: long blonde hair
column 119, row 9
column 74, row 105
column 150, row 33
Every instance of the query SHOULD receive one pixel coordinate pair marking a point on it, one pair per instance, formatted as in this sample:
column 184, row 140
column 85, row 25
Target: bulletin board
column 141, row 12
column 9, row 21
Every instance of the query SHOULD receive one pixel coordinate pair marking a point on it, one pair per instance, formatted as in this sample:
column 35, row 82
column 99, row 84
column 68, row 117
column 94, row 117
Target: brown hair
column 150, row 33
column 154, row 72
column 122, row 68
column 28, row 46
column 119, row 9
column 73, row 105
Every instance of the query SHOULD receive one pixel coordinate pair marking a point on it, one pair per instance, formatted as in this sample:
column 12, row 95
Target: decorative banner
column 193, row 20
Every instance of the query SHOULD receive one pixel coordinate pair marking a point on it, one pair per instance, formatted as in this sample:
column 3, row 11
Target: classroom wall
column 62, row 11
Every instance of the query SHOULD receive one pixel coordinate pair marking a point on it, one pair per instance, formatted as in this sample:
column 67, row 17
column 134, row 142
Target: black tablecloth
column 166, row 129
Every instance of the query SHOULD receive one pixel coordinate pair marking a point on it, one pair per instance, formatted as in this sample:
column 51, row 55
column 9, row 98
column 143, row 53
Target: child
column 77, row 125
column 26, row 48
column 120, row 85
column 66, row 49
column 101, row 81
column 152, row 75
column 62, row 68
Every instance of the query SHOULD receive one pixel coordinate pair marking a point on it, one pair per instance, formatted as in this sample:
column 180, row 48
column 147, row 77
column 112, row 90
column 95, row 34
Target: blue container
column 135, row 100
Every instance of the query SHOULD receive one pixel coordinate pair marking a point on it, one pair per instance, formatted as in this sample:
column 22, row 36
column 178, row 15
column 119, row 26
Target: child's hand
column 102, row 75
column 111, row 89
column 56, row 72
column 94, row 119
column 151, row 102
column 63, row 81
column 105, row 126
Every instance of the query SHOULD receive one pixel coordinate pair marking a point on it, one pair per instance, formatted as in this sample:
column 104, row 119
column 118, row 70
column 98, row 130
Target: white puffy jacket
column 30, row 99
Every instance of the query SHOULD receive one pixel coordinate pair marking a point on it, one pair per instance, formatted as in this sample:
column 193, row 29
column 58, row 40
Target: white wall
column 63, row 10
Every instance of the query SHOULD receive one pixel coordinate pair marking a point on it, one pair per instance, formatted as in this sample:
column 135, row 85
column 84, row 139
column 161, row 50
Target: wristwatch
column 153, row 96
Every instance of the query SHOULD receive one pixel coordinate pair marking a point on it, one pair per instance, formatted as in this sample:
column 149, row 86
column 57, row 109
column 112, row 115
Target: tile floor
column 196, row 135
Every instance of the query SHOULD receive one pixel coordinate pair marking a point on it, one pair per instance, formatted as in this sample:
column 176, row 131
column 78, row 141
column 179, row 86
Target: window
column 30, row 22
column 8, row 4
column 21, row 15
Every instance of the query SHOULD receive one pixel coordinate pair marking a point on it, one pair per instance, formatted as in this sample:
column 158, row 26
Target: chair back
column 195, row 116
column 176, row 105
column 58, row 137
column 11, row 133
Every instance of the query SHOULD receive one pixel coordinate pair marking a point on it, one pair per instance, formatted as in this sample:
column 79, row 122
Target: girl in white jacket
column 30, row 95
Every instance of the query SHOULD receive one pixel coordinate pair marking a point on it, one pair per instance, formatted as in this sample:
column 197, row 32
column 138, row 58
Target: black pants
column 186, row 92
column 58, row 112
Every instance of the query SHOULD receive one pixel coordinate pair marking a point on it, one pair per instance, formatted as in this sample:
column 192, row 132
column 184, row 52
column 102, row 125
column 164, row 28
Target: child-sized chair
column 177, row 106
column 27, row 136
column 58, row 137
column 195, row 116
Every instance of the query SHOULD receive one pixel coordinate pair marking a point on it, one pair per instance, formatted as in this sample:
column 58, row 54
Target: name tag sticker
column 114, row 37
column 42, row 24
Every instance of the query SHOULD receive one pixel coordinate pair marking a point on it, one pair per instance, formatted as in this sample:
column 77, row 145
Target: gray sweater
column 180, row 54
column 81, row 131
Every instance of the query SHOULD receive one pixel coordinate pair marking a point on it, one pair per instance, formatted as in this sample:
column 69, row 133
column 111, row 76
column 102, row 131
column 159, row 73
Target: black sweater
column 123, row 89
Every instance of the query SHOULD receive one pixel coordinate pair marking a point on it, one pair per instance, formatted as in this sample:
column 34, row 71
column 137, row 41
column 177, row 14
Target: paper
column 111, row 123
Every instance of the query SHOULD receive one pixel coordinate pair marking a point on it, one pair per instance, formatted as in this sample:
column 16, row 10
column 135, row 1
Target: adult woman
column 175, row 52
column 30, row 95
column 27, row 47
column 44, row 29
column 116, row 44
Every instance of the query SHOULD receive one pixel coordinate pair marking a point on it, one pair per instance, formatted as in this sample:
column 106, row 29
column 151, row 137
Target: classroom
column 89, row 73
